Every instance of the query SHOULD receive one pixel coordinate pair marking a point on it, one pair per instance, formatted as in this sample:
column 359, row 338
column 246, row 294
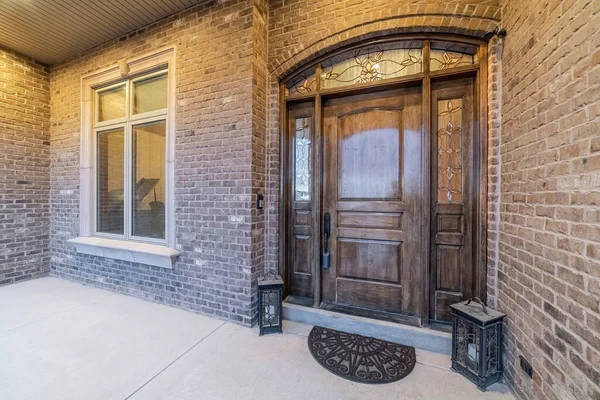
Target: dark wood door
column 452, row 196
column 359, row 158
column 372, row 177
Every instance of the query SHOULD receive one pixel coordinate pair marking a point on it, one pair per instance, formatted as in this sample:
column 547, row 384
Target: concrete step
column 421, row 338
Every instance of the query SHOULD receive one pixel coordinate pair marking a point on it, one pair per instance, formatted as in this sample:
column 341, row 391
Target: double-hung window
column 130, row 159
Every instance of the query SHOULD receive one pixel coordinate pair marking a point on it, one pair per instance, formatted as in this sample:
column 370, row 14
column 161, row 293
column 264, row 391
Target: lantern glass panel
column 468, row 338
column 270, row 304
column 492, row 359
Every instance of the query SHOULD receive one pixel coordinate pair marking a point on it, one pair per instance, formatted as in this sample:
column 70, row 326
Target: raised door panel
column 369, row 154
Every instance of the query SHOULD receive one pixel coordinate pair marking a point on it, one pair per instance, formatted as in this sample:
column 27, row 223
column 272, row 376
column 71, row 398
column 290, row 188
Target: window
column 130, row 132
column 127, row 164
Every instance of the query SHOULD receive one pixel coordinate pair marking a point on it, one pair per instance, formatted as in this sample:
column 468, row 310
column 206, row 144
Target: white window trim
column 147, row 253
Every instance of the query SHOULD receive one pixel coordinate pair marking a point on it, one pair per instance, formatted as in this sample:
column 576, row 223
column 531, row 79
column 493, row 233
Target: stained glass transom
column 371, row 64
column 451, row 55
column 304, row 82
column 303, row 159
column 449, row 144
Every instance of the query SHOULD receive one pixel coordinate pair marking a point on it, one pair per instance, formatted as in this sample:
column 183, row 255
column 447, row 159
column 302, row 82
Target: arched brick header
column 462, row 19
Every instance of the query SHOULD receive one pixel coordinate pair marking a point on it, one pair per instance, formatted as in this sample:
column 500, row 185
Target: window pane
column 110, row 182
column 444, row 55
column 449, row 150
column 303, row 164
column 305, row 82
column 148, row 199
column 150, row 94
column 111, row 104
column 372, row 64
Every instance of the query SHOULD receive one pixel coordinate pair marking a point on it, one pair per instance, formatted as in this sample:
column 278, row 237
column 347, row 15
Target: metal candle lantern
column 270, row 298
column 477, row 342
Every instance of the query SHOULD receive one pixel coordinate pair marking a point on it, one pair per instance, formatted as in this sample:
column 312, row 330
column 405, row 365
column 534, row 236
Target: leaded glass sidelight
column 303, row 159
column 372, row 64
column 449, row 149
column 444, row 55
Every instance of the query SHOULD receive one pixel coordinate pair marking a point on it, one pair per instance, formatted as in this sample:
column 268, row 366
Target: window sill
column 143, row 253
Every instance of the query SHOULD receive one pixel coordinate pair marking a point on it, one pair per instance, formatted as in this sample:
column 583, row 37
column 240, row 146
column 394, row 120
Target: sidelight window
column 130, row 132
column 303, row 159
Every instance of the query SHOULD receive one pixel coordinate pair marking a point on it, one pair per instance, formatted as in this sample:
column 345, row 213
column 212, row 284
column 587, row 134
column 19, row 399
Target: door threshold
column 418, row 337
column 373, row 314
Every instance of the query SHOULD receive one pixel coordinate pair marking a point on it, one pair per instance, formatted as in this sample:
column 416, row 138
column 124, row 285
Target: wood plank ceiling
column 53, row 30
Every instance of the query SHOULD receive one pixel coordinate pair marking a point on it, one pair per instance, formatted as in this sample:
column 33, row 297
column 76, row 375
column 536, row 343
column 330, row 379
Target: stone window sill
column 143, row 253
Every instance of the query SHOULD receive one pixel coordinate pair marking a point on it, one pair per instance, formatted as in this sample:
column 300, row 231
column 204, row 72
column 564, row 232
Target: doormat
column 360, row 358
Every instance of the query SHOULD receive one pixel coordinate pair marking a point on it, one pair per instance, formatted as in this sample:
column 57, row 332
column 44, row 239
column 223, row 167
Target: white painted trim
column 156, row 61
column 126, row 250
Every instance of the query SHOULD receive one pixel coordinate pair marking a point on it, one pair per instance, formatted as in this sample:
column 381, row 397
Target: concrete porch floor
column 63, row 340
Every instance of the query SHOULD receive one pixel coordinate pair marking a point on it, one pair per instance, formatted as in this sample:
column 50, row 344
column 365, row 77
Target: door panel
column 372, row 162
column 369, row 154
column 452, row 196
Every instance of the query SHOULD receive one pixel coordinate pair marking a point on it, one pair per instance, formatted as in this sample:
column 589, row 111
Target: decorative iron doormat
column 360, row 358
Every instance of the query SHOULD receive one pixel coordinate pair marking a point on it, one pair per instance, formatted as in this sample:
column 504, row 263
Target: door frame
column 479, row 73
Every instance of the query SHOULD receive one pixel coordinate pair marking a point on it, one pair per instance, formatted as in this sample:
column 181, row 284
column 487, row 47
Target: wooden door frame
column 478, row 72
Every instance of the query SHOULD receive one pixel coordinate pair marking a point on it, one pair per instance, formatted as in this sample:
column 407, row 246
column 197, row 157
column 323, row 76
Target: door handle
column 326, row 234
column 327, row 225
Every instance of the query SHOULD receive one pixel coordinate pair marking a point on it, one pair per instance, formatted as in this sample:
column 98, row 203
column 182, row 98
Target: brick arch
column 321, row 43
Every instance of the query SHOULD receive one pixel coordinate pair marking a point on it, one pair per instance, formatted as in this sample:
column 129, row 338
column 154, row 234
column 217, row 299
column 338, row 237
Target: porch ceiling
column 53, row 30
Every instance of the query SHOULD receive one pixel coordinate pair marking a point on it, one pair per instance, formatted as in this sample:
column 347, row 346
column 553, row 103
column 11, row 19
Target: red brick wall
column 549, row 248
column 24, row 168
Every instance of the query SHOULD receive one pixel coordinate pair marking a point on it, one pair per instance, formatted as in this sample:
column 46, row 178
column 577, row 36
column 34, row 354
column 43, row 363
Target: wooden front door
column 395, row 170
column 371, row 190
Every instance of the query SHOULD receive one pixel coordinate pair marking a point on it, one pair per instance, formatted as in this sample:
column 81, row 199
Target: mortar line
column 174, row 361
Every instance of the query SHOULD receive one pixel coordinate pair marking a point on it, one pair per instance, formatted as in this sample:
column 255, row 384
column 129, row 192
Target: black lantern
column 477, row 342
column 270, row 297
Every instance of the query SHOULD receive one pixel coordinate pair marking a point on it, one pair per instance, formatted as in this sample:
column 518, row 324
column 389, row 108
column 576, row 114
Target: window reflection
column 148, row 180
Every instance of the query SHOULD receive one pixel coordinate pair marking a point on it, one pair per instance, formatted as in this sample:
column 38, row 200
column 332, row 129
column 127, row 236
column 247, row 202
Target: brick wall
column 260, row 76
column 549, row 247
column 24, row 168
column 218, row 127
column 494, row 91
